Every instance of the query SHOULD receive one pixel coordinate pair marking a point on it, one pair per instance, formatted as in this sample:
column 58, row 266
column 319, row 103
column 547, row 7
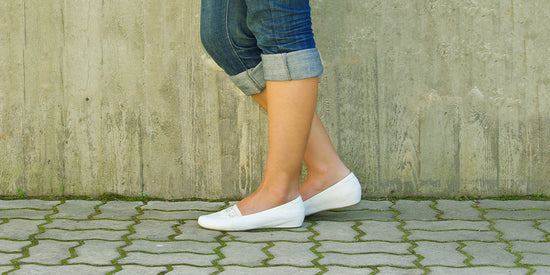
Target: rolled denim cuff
column 295, row 65
column 251, row 81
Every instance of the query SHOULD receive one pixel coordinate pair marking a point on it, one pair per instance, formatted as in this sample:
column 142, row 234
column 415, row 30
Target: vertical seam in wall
column 377, row 123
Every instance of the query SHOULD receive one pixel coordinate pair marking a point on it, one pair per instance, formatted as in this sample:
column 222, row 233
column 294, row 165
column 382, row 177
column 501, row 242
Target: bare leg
column 325, row 167
column 291, row 107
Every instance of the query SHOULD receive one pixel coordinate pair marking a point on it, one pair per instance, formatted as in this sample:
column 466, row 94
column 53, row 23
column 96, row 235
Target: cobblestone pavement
column 373, row 237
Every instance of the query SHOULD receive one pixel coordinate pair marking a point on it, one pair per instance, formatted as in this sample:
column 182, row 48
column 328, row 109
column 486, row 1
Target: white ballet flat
column 344, row 193
column 288, row 215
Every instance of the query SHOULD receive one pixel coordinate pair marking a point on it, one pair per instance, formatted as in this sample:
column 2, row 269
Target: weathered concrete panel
column 421, row 98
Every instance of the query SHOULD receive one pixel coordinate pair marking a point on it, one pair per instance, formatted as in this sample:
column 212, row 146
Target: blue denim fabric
column 258, row 40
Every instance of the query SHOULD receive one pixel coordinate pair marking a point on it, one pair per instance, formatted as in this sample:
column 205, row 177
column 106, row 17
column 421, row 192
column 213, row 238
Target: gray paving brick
column 514, row 205
column 24, row 214
column 96, row 252
column 76, row 209
column 118, row 210
column 5, row 269
column 49, row 252
column 248, row 254
column 364, row 260
column 190, row 230
column 64, row 269
column 364, row 247
column 272, row 270
column 5, row 259
column 154, row 230
column 12, row 246
column 183, row 205
column 535, row 259
column 519, row 230
column 337, row 231
column 34, row 204
column 541, row 269
column 415, row 210
column 348, row 270
column 171, row 215
column 440, row 254
column 545, row 225
column 148, row 259
column 518, row 215
column 88, row 224
column 285, row 254
column 17, row 229
column 485, row 270
column 357, row 215
column 447, row 225
column 142, row 270
column 536, row 247
column 371, row 205
column 65, row 235
column 171, row 246
column 489, row 254
column 268, row 236
column 399, row 271
column 381, row 231
column 192, row 270
column 458, row 210
column 454, row 235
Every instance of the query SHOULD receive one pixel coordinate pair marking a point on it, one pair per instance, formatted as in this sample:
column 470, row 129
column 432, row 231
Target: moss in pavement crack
column 218, row 252
column 125, row 238
column 313, row 249
column 270, row 256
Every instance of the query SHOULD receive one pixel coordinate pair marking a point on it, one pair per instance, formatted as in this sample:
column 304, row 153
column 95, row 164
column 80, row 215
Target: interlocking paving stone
column 272, row 270
column 183, row 205
column 542, row 269
column 17, row 229
column 12, row 246
column 66, row 269
column 381, row 231
column 545, row 225
column 190, row 230
column 34, row 204
column 65, row 235
column 5, row 259
column 142, row 270
column 285, row 254
column 447, row 225
column 268, row 236
column 168, row 259
column 399, row 271
column 440, row 254
column 364, row 247
column 192, row 270
column 76, row 209
column 171, row 246
column 118, row 210
column 454, row 235
column 248, row 254
column 25, row 214
column 458, row 210
column 49, row 252
column 485, row 270
column 535, row 259
column 415, row 210
column 514, row 205
column 154, row 230
column 519, row 230
column 5, row 269
column 355, row 215
column 338, row 231
column 357, row 260
column 171, row 215
column 521, row 246
column 88, row 224
column 489, row 254
column 348, row 270
column 518, row 215
column 96, row 252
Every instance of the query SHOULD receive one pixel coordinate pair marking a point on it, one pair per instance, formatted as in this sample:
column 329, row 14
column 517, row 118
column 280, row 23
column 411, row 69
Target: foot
column 316, row 182
column 343, row 193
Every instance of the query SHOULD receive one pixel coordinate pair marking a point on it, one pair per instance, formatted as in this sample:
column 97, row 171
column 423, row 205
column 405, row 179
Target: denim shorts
column 258, row 40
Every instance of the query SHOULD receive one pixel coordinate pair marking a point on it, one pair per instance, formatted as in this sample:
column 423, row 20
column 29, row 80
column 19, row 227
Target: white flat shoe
column 288, row 215
column 344, row 193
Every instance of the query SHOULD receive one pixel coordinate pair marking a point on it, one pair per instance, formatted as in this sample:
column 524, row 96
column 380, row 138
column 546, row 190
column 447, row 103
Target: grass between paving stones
column 125, row 238
column 313, row 249
column 218, row 252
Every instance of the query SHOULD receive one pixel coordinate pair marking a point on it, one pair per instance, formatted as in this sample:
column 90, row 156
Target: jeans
column 258, row 40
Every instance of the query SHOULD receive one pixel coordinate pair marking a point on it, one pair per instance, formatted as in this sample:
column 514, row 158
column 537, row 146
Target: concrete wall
column 422, row 98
